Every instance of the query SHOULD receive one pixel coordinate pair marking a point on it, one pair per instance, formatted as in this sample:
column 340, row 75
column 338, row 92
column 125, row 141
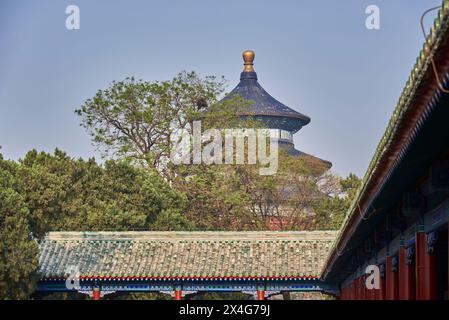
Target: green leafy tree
column 172, row 220
column 76, row 195
column 285, row 200
column 331, row 211
column 133, row 118
column 18, row 250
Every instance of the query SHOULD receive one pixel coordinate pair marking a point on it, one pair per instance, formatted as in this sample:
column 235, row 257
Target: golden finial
column 248, row 58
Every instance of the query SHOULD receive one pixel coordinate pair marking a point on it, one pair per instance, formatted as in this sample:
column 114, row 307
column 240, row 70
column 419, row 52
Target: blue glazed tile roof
column 272, row 112
column 290, row 149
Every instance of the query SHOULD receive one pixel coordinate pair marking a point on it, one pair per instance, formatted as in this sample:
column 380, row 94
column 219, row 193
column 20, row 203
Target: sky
column 317, row 57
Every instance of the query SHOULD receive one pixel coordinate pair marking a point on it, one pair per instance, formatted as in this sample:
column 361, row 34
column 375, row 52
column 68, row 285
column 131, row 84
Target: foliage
column 48, row 192
column 331, row 212
column 134, row 118
column 285, row 200
column 172, row 220
column 18, row 250
column 66, row 194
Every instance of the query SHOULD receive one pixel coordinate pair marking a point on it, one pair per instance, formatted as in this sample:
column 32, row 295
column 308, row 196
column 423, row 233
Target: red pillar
column 178, row 294
column 362, row 288
column 260, row 294
column 369, row 293
column 426, row 270
column 406, row 277
column 96, row 293
column 352, row 292
column 391, row 279
column 383, row 286
column 376, row 294
column 366, row 291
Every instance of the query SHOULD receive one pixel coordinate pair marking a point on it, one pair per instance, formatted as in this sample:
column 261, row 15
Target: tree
column 66, row 194
column 217, row 200
column 172, row 220
column 332, row 210
column 133, row 118
column 285, row 200
column 53, row 192
column 18, row 250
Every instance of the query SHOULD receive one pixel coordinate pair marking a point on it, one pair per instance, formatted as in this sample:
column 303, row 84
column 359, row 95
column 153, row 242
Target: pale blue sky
column 315, row 56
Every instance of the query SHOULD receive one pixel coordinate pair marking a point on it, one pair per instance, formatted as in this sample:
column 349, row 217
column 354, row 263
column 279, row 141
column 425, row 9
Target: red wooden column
column 426, row 270
column 96, row 293
column 362, row 288
column 406, row 276
column 383, row 285
column 368, row 292
column 371, row 294
column 377, row 293
column 391, row 279
column 355, row 295
column 178, row 294
column 342, row 293
column 260, row 294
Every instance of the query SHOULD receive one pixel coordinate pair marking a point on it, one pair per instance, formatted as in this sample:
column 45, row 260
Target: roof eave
column 403, row 125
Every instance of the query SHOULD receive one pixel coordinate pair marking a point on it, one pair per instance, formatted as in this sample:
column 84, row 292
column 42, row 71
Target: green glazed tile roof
column 436, row 38
column 185, row 254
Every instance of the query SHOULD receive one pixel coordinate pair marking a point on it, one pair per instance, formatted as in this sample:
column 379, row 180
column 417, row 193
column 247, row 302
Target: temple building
column 282, row 121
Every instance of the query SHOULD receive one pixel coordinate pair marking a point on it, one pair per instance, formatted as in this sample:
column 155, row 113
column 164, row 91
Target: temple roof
column 273, row 113
column 290, row 149
column 185, row 254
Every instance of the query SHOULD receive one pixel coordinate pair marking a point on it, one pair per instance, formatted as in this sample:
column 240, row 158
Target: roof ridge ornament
column 248, row 59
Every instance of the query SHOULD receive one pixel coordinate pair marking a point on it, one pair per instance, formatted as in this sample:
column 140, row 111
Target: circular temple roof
column 272, row 112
